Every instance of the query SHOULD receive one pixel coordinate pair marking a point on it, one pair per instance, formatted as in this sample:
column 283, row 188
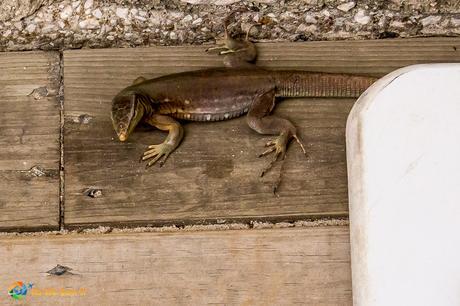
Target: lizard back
column 221, row 93
column 207, row 95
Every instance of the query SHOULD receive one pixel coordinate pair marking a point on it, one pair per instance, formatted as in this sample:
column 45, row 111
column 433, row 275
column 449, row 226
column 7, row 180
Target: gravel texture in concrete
column 66, row 24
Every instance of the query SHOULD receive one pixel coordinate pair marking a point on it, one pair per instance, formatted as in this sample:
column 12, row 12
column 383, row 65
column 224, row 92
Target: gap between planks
column 255, row 225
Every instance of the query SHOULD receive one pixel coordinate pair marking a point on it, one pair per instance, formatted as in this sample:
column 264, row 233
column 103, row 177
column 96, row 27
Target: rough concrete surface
column 17, row 9
column 66, row 24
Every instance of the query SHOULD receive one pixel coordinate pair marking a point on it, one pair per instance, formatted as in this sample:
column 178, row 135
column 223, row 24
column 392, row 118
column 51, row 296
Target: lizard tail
column 313, row 84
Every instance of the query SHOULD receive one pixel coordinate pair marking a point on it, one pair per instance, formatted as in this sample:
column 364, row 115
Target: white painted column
column 403, row 151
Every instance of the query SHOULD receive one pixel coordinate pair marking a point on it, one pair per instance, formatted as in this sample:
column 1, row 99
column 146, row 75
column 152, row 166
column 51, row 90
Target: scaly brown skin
column 221, row 94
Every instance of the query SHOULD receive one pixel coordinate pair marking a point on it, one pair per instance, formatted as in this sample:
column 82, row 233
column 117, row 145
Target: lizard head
column 126, row 114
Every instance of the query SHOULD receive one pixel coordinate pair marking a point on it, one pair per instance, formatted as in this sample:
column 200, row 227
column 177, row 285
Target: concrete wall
column 65, row 24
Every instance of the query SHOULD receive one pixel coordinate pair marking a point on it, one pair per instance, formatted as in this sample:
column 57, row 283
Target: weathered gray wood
column 300, row 266
column 29, row 141
column 214, row 173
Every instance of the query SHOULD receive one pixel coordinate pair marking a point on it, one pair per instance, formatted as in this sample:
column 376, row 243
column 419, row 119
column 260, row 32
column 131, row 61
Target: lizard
column 217, row 94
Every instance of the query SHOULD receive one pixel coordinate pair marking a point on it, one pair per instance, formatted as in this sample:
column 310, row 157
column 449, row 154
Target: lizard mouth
column 122, row 136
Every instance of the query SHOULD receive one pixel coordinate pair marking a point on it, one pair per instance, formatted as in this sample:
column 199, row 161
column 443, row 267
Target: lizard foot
column 155, row 153
column 236, row 52
column 244, row 50
column 218, row 49
column 278, row 146
column 225, row 49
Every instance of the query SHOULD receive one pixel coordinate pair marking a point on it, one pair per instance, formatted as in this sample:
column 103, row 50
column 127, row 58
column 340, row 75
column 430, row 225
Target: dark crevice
column 251, row 222
column 61, row 140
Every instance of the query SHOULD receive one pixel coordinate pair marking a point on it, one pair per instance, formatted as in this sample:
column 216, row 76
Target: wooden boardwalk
column 29, row 140
column 211, row 178
column 299, row 266
column 214, row 175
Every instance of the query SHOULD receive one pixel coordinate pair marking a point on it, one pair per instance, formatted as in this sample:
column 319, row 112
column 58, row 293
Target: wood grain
column 29, row 137
column 299, row 266
column 214, row 174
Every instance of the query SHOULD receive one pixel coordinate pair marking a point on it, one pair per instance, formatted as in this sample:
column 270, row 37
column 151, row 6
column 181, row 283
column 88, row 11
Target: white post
column 403, row 151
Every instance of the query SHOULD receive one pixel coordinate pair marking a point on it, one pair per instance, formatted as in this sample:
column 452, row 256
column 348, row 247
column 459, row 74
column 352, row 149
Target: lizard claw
column 268, row 151
column 279, row 147
column 218, row 49
column 299, row 141
column 155, row 153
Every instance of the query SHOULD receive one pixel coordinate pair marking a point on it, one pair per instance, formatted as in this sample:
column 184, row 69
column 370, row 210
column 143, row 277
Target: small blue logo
column 18, row 290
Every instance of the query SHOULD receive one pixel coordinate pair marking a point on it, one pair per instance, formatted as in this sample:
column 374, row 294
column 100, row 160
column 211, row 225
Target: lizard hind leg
column 237, row 53
column 259, row 120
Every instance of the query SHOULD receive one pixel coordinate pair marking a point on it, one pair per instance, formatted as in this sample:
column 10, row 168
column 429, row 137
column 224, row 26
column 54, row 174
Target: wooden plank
column 299, row 266
column 214, row 173
column 29, row 140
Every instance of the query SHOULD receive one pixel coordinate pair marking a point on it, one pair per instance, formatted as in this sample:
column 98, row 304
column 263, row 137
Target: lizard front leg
column 258, row 119
column 175, row 135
